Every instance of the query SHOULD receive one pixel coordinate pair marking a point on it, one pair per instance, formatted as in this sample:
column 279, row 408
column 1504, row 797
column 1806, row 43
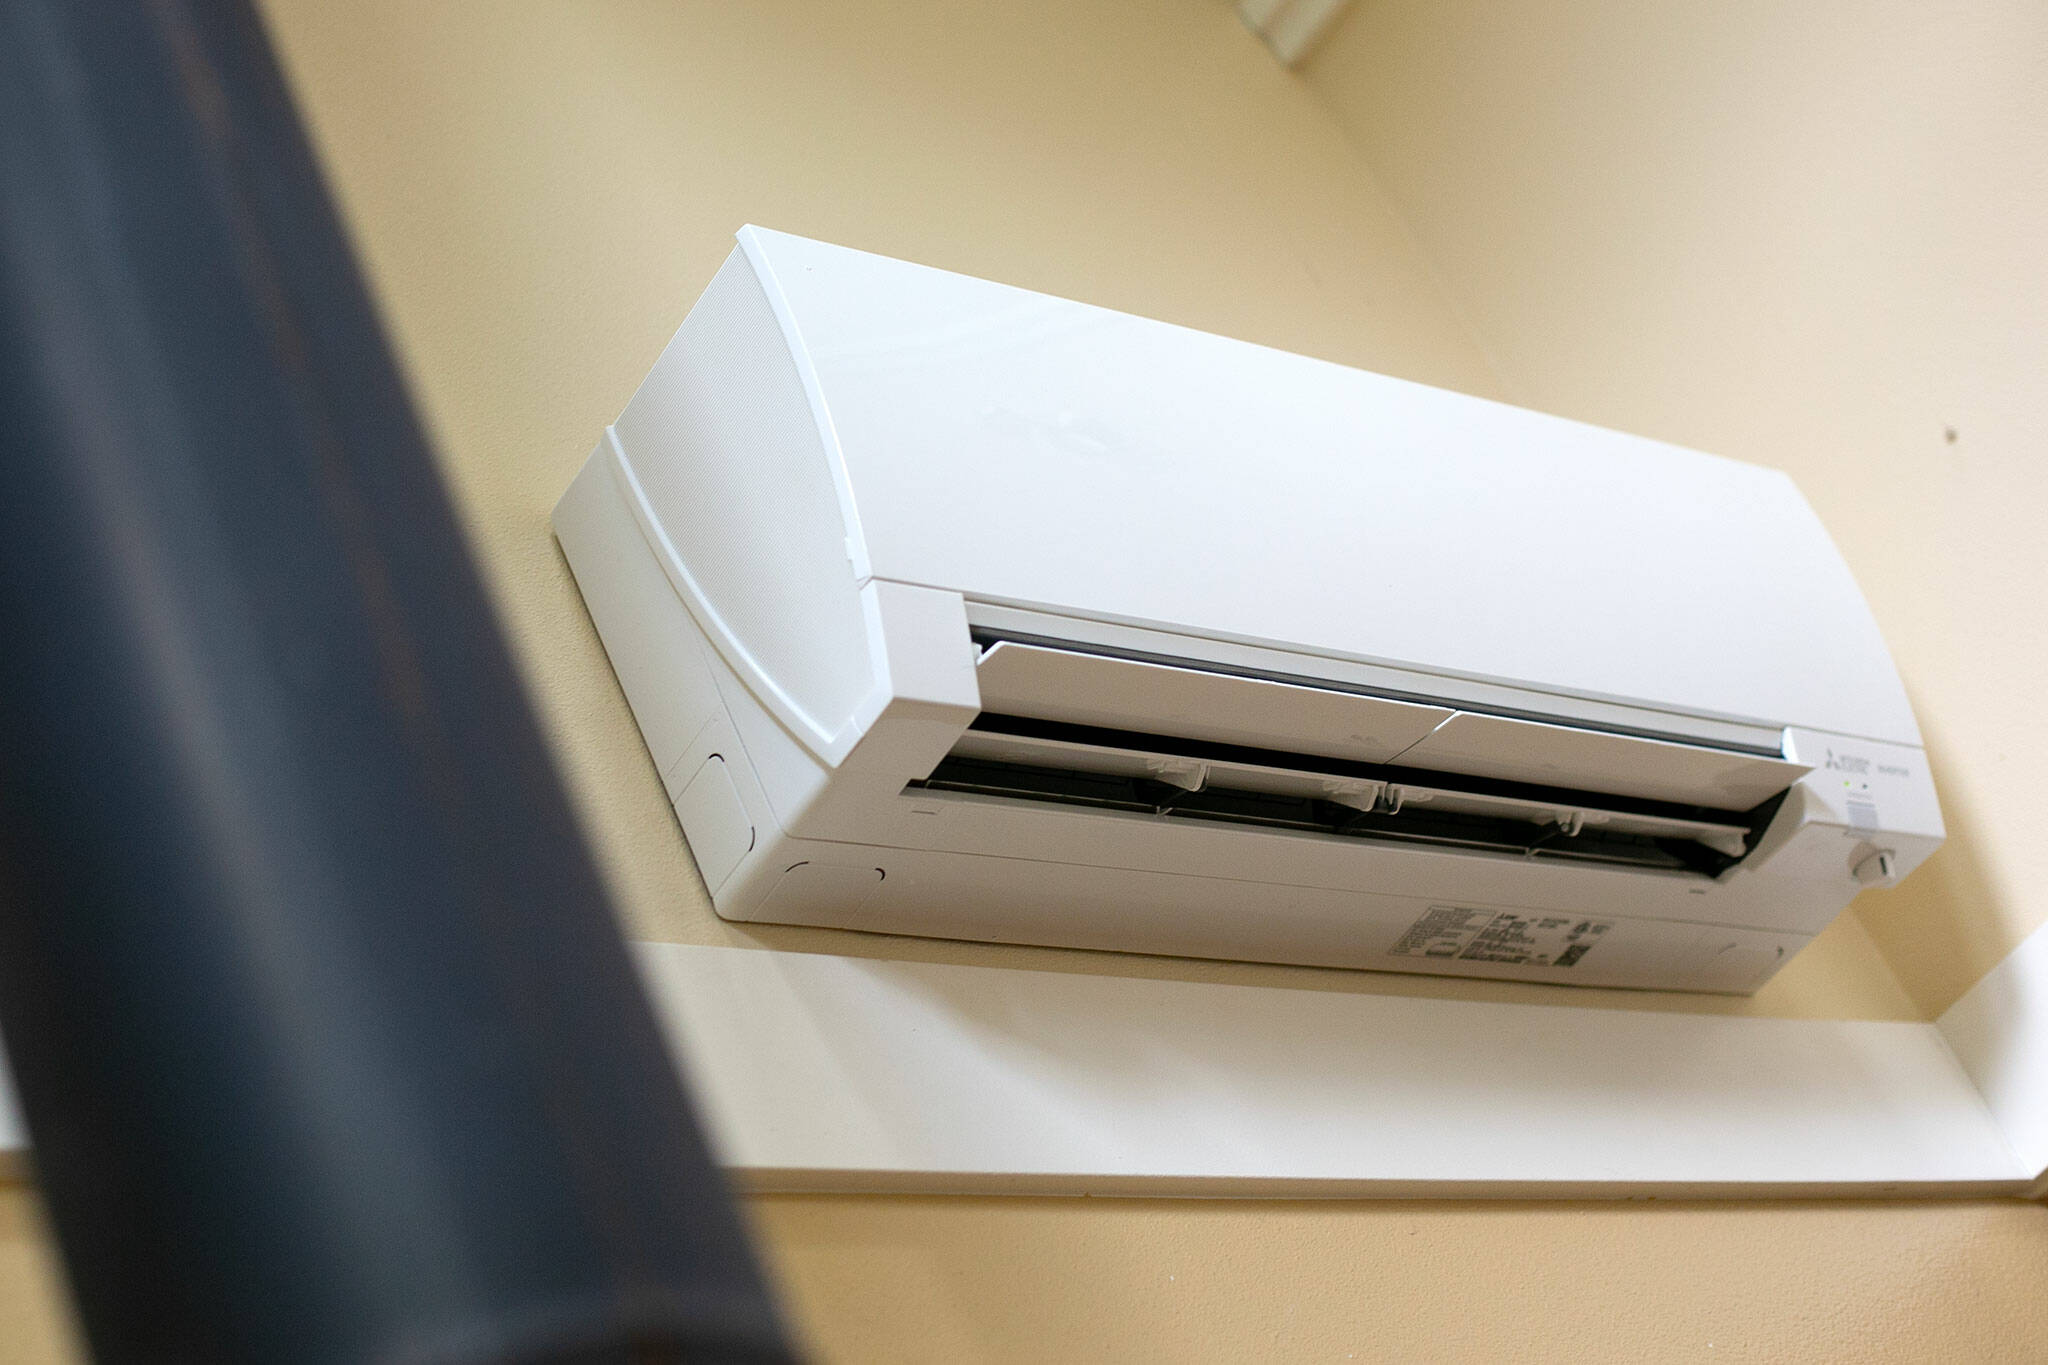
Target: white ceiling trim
column 818, row 1072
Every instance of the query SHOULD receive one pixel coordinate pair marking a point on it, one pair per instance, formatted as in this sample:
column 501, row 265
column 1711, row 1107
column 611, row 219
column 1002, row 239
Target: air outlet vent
column 1020, row 759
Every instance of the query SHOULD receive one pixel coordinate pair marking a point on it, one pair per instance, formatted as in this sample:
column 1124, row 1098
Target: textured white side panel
column 715, row 822
column 724, row 454
column 825, row 1072
column 655, row 650
column 1999, row 1031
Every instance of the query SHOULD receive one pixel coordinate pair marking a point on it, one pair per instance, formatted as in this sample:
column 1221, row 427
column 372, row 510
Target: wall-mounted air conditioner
column 952, row 609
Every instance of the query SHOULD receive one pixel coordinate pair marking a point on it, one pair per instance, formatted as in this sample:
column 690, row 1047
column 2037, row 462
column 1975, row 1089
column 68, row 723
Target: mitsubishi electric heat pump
column 952, row 609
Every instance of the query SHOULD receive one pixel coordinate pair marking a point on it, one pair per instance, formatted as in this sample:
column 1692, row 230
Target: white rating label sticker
column 1516, row 937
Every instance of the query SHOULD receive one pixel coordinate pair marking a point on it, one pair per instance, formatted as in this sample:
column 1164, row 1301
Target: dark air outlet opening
column 1417, row 823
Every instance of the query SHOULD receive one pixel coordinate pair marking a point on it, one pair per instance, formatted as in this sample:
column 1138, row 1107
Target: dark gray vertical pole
column 326, row 1039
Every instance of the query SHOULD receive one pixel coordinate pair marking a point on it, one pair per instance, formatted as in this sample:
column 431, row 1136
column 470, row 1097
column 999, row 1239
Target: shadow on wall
column 1937, row 928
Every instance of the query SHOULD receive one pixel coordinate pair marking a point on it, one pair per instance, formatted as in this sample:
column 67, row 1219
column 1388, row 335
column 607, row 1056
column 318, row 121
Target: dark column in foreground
column 327, row 1041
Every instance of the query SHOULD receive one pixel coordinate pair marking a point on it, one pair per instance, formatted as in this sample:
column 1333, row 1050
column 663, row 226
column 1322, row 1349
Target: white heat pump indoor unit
column 952, row 609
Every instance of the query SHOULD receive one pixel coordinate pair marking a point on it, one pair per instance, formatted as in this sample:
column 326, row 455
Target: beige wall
column 1813, row 236
column 35, row 1324
column 1051, row 1280
column 539, row 190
